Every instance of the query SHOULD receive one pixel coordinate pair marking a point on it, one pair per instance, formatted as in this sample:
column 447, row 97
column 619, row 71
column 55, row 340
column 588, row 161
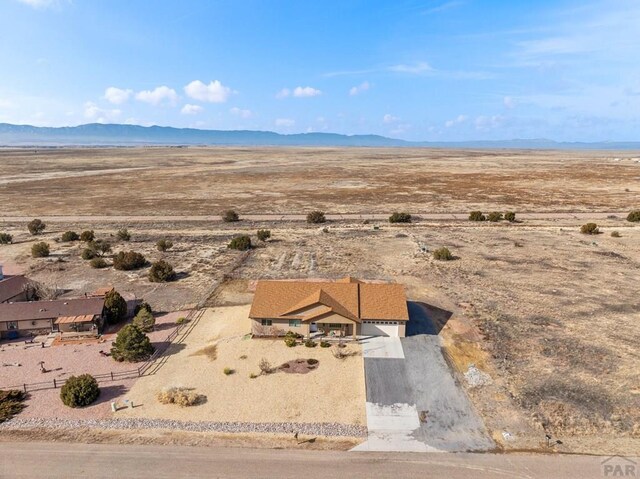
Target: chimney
column 1, row 275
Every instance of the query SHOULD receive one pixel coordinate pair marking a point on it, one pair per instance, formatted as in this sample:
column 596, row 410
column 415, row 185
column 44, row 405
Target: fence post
column 139, row 372
column 54, row 384
column 112, row 375
column 25, row 387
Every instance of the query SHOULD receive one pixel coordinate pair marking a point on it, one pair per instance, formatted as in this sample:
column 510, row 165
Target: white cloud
column 214, row 92
column 190, row 109
column 389, row 118
column 414, row 68
column 95, row 113
column 117, row 96
column 485, row 123
column 364, row 86
column 456, row 121
column 298, row 92
column 158, row 96
column 285, row 122
column 284, row 93
column 509, row 102
column 242, row 113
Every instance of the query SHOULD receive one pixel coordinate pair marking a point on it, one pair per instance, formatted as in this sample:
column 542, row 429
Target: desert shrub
column 161, row 272
column 290, row 341
column 69, row 236
column 79, row 391
column 325, row 344
column 131, row 345
column 443, row 254
column 128, row 260
column 40, row 250
column 634, row 216
column 123, row 234
column 115, row 307
column 99, row 247
column 265, row 366
column 400, row 218
column 182, row 397
column 264, row 235
column 11, row 403
column 181, row 320
column 6, row 238
column 88, row 253
column 140, row 306
column 494, row 216
column 589, row 229
column 87, row 235
column 241, row 243
column 310, row 343
column 253, row 375
column 615, row 234
column 510, row 216
column 164, row 244
column 36, row 227
column 98, row 263
column 228, row 371
column 316, row 217
column 230, row 216
column 476, row 216
column 144, row 320
column 312, row 361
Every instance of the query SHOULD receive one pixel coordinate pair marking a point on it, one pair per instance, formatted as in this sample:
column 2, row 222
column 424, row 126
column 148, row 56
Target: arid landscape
column 546, row 314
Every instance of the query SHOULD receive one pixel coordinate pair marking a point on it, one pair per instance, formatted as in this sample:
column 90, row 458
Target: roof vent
column 65, row 303
column 42, row 310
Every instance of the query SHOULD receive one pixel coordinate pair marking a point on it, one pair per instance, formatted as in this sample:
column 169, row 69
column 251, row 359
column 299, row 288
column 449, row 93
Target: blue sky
column 420, row 70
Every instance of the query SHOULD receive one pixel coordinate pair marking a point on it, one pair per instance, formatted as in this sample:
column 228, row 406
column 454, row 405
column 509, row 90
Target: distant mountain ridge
column 98, row 134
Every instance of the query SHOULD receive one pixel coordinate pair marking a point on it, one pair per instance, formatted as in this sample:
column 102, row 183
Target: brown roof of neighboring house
column 349, row 297
column 51, row 309
column 11, row 286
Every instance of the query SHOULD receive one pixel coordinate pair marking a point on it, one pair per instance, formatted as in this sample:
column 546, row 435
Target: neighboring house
column 13, row 288
column 347, row 307
column 43, row 317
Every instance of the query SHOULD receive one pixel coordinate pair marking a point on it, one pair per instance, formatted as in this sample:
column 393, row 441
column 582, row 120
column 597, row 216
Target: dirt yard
column 333, row 392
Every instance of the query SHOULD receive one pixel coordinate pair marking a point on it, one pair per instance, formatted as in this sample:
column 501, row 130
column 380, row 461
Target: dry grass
column 181, row 396
column 211, row 352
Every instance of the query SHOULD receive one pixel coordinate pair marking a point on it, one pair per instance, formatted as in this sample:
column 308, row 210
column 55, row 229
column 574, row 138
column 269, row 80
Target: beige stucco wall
column 36, row 326
column 278, row 328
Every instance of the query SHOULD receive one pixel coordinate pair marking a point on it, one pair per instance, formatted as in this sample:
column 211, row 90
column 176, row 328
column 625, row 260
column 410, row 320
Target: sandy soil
column 334, row 392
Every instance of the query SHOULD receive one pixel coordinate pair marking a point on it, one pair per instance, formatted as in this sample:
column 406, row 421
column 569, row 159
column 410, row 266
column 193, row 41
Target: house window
column 12, row 325
column 266, row 322
column 335, row 326
column 295, row 323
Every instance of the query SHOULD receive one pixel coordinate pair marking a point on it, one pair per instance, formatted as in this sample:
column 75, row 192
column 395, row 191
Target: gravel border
column 310, row 429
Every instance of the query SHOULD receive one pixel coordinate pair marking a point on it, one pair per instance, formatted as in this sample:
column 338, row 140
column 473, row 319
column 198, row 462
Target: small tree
column 264, row 235
column 634, row 216
column 589, row 229
column 40, row 250
column 164, row 244
column 476, row 216
column 69, row 236
column 99, row 247
column 400, row 218
column 161, row 272
column 241, row 243
column 230, row 216
column 510, row 216
column 316, row 217
column 87, row 235
column 142, row 306
column 36, row 227
column 494, row 216
column 6, row 238
column 115, row 307
column 265, row 366
column 144, row 320
column 98, row 263
column 87, row 254
column 131, row 345
column 442, row 254
column 79, row 391
column 123, row 234
column 128, row 260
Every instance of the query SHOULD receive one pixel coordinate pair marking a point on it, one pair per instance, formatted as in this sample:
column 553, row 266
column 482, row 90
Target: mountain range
column 98, row 134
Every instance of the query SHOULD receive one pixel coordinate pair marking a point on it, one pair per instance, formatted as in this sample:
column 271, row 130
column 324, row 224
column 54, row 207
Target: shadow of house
column 426, row 319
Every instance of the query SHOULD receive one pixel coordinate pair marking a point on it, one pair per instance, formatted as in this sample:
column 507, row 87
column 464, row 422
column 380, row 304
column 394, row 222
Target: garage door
column 379, row 329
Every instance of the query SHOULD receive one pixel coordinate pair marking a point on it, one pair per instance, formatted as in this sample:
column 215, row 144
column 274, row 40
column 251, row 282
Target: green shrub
column 400, row 218
column 123, row 234
column 144, row 320
column 99, row 247
column 40, row 250
column 69, row 236
column 79, row 391
column 253, row 375
column 6, row 238
column 131, row 345
column 36, row 227
column 181, row 320
column 510, row 216
column 98, row 263
column 115, row 307
column 264, row 235
column 310, row 343
column 616, row 234
column 316, row 217
column 230, row 216
column 161, row 272
column 228, row 371
column 312, row 361
column 128, row 260
column 88, row 253
column 11, row 403
column 87, row 235
column 494, row 216
column 241, row 243
column 589, row 229
column 140, row 306
column 443, row 254
column 476, row 216
column 164, row 244
column 325, row 344
column 290, row 341
column 634, row 216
